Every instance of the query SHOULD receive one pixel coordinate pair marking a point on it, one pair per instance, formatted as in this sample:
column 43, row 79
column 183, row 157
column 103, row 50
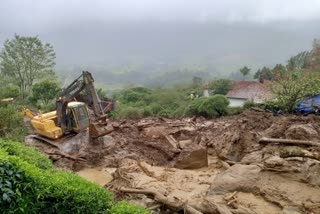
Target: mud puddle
column 97, row 175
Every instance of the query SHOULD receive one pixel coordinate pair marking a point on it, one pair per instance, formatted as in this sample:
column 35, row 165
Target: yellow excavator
column 71, row 117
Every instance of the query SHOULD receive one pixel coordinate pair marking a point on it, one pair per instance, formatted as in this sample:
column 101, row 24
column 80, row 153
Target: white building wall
column 236, row 102
column 206, row 93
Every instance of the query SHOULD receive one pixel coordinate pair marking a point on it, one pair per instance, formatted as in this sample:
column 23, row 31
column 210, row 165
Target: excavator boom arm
column 83, row 82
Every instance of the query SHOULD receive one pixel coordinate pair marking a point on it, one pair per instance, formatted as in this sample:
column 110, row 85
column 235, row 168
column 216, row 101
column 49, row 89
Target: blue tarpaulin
column 309, row 105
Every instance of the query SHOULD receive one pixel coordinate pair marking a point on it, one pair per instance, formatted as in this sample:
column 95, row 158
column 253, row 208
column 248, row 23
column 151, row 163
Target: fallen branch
column 66, row 156
column 154, row 207
column 288, row 141
column 298, row 153
column 118, row 172
column 257, row 109
column 230, row 197
column 146, row 170
column 173, row 204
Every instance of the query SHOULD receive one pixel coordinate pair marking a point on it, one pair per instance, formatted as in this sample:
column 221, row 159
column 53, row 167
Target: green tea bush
column 11, row 181
column 27, row 186
column 53, row 191
column 28, row 154
column 124, row 207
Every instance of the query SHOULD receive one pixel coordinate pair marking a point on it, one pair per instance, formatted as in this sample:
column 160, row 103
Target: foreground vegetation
column 30, row 184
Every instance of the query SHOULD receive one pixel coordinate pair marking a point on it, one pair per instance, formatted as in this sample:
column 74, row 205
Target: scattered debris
column 249, row 163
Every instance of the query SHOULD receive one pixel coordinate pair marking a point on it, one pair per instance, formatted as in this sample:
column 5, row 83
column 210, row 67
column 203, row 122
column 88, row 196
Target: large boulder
column 237, row 178
column 252, row 158
column 302, row 132
column 192, row 156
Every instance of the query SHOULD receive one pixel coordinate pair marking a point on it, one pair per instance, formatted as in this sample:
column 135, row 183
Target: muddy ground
column 203, row 166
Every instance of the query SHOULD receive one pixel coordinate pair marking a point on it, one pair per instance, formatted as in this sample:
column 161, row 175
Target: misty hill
column 120, row 52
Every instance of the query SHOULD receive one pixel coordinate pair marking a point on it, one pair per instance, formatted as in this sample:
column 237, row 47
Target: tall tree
column 263, row 74
column 245, row 71
column 45, row 91
column 290, row 86
column 220, row 86
column 299, row 61
column 26, row 59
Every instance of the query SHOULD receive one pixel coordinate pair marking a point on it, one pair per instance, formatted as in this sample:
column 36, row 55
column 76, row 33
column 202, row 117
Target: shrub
column 155, row 108
column 10, row 91
column 138, row 94
column 11, row 123
column 130, row 112
column 147, row 111
column 124, row 207
column 163, row 113
column 248, row 104
column 209, row 106
column 180, row 111
column 48, row 107
column 234, row 110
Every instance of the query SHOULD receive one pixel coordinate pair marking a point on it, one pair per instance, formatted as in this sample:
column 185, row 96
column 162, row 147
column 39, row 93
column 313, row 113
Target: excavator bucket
column 99, row 129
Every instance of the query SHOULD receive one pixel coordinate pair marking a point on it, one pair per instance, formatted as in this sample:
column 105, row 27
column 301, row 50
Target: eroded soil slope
column 203, row 166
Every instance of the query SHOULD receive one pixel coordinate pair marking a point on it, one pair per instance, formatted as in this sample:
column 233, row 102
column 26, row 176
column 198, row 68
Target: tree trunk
column 170, row 202
column 289, row 141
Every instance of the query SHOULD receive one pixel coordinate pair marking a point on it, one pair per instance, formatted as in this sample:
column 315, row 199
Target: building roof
column 250, row 90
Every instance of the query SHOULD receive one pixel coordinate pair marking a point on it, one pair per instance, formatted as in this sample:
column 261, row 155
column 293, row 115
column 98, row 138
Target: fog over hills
column 148, row 39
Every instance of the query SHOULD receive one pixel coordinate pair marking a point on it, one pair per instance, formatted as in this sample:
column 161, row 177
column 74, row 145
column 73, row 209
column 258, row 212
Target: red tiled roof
column 249, row 90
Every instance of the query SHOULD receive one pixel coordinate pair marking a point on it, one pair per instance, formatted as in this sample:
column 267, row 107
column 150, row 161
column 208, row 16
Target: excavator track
column 54, row 143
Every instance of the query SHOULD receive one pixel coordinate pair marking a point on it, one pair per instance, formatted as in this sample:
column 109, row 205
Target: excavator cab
column 77, row 116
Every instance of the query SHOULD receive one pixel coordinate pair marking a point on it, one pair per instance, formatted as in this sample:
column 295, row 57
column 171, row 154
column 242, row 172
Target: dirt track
column 242, row 175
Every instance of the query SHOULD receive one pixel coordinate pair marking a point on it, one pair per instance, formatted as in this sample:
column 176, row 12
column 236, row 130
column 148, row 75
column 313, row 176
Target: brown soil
column 224, row 155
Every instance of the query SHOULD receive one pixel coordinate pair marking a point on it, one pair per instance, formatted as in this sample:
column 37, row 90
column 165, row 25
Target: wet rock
column 184, row 143
column 291, row 210
column 108, row 142
column 192, row 157
column 171, row 142
column 301, row 132
column 253, row 157
column 276, row 130
column 237, row 178
column 154, row 132
column 74, row 144
column 274, row 161
column 313, row 174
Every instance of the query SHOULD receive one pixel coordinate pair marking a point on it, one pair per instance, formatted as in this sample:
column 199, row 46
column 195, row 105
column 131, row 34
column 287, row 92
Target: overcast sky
column 45, row 14
column 222, row 33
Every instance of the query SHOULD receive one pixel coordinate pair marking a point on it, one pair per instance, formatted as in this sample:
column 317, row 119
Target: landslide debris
column 211, row 166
